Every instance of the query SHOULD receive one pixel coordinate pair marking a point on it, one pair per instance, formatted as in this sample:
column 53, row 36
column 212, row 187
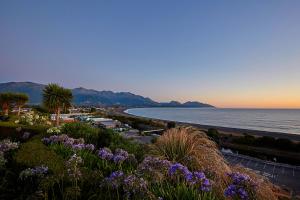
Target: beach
column 224, row 130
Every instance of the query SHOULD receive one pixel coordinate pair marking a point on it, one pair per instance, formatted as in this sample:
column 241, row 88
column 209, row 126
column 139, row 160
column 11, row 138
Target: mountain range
column 89, row 97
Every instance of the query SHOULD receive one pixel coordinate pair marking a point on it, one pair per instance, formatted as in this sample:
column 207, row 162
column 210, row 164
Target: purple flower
column 118, row 159
column 243, row 193
column 121, row 152
column 205, row 185
column 105, row 154
column 230, row 191
column 240, row 187
column 40, row 170
column 46, row 140
column 89, row 147
column 134, row 185
column 78, row 146
column 182, row 170
column 115, row 179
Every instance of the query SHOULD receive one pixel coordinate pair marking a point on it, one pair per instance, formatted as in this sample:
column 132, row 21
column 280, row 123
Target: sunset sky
column 227, row 53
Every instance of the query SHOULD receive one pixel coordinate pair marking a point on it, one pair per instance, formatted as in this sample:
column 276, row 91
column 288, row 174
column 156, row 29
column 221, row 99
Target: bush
column 213, row 134
column 285, row 144
column 86, row 131
column 35, row 153
column 171, row 125
column 128, row 145
column 193, row 149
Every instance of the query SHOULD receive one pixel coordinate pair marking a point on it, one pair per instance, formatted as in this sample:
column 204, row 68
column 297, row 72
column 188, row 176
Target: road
column 284, row 175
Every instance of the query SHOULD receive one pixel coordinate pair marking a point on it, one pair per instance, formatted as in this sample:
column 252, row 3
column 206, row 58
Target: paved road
column 280, row 174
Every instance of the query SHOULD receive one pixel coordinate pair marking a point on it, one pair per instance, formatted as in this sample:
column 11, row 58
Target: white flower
column 17, row 121
column 30, row 123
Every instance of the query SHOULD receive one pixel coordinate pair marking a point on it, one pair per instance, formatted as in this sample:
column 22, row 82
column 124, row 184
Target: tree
column 6, row 100
column 56, row 99
column 20, row 100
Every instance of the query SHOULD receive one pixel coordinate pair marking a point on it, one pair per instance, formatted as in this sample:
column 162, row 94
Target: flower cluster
column 7, row 145
column 154, row 168
column 39, row 171
column 105, row 154
column 54, row 130
column 31, row 118
column 75, row 144
column 73, row 166
column 195, row 179
column 131, row 184
column 241, row 186
column 26, row 135
column 115, row 179
column 118, row 157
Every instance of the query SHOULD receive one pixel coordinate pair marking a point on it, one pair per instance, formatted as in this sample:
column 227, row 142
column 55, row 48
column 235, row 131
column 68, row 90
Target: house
column 105, row 122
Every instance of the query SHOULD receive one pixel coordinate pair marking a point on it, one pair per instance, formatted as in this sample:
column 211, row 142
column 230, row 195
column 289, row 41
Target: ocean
column 272, row 120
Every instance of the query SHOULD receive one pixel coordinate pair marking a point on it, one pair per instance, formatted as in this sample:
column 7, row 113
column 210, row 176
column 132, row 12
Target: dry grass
column 265, row 189
column 192, row 148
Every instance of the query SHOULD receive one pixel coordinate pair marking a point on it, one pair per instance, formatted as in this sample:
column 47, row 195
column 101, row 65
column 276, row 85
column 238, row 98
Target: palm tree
column 56, row 99
column 20, row 100
column 6, row 100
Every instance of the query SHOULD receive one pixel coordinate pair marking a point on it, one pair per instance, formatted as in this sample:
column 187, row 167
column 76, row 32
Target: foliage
column 82, row 130
column 57, row 99
column 266, row 141
column 68, row 168
column 171, row 125
column 138, row 123
column 35, row 153
column 20, row 100
column 6, row 99
column 241, row 187
column 193, row 149
column 40, row 109
column 32, row 118
column 53, row 130
column 213, row 134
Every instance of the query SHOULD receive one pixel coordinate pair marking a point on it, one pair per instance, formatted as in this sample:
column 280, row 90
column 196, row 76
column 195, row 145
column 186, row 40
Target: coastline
column 225, row 130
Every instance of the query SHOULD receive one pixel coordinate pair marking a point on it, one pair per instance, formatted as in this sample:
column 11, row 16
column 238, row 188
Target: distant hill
column 89, row 97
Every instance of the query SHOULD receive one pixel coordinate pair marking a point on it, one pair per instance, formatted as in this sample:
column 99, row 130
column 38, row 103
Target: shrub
column 131, row 146
column 285, row 144
column 171, row 125
column 32, row 118
column 35, row 153
column 82, row 130
column 193, row 149
column 213, row 134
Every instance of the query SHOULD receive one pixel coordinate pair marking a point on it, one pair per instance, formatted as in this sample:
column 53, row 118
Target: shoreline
column 227, row 130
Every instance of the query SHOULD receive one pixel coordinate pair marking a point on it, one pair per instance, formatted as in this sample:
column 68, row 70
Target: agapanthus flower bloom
column 115, row 179
column 118, row 159
column 183, row 170
column 105, row 154
column 134, row 185
column 89, row 147
column 39, row 171
column 26, row 135
column 73, row 166
column 7, row 145
column 242, row 186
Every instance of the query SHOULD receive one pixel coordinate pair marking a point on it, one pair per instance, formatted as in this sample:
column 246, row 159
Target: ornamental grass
column 193, row 148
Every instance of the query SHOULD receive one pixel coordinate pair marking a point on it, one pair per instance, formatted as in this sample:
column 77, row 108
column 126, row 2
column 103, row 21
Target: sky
column 228, row 53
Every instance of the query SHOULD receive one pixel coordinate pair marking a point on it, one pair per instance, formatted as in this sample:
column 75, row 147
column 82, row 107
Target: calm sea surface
column 274, row 120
